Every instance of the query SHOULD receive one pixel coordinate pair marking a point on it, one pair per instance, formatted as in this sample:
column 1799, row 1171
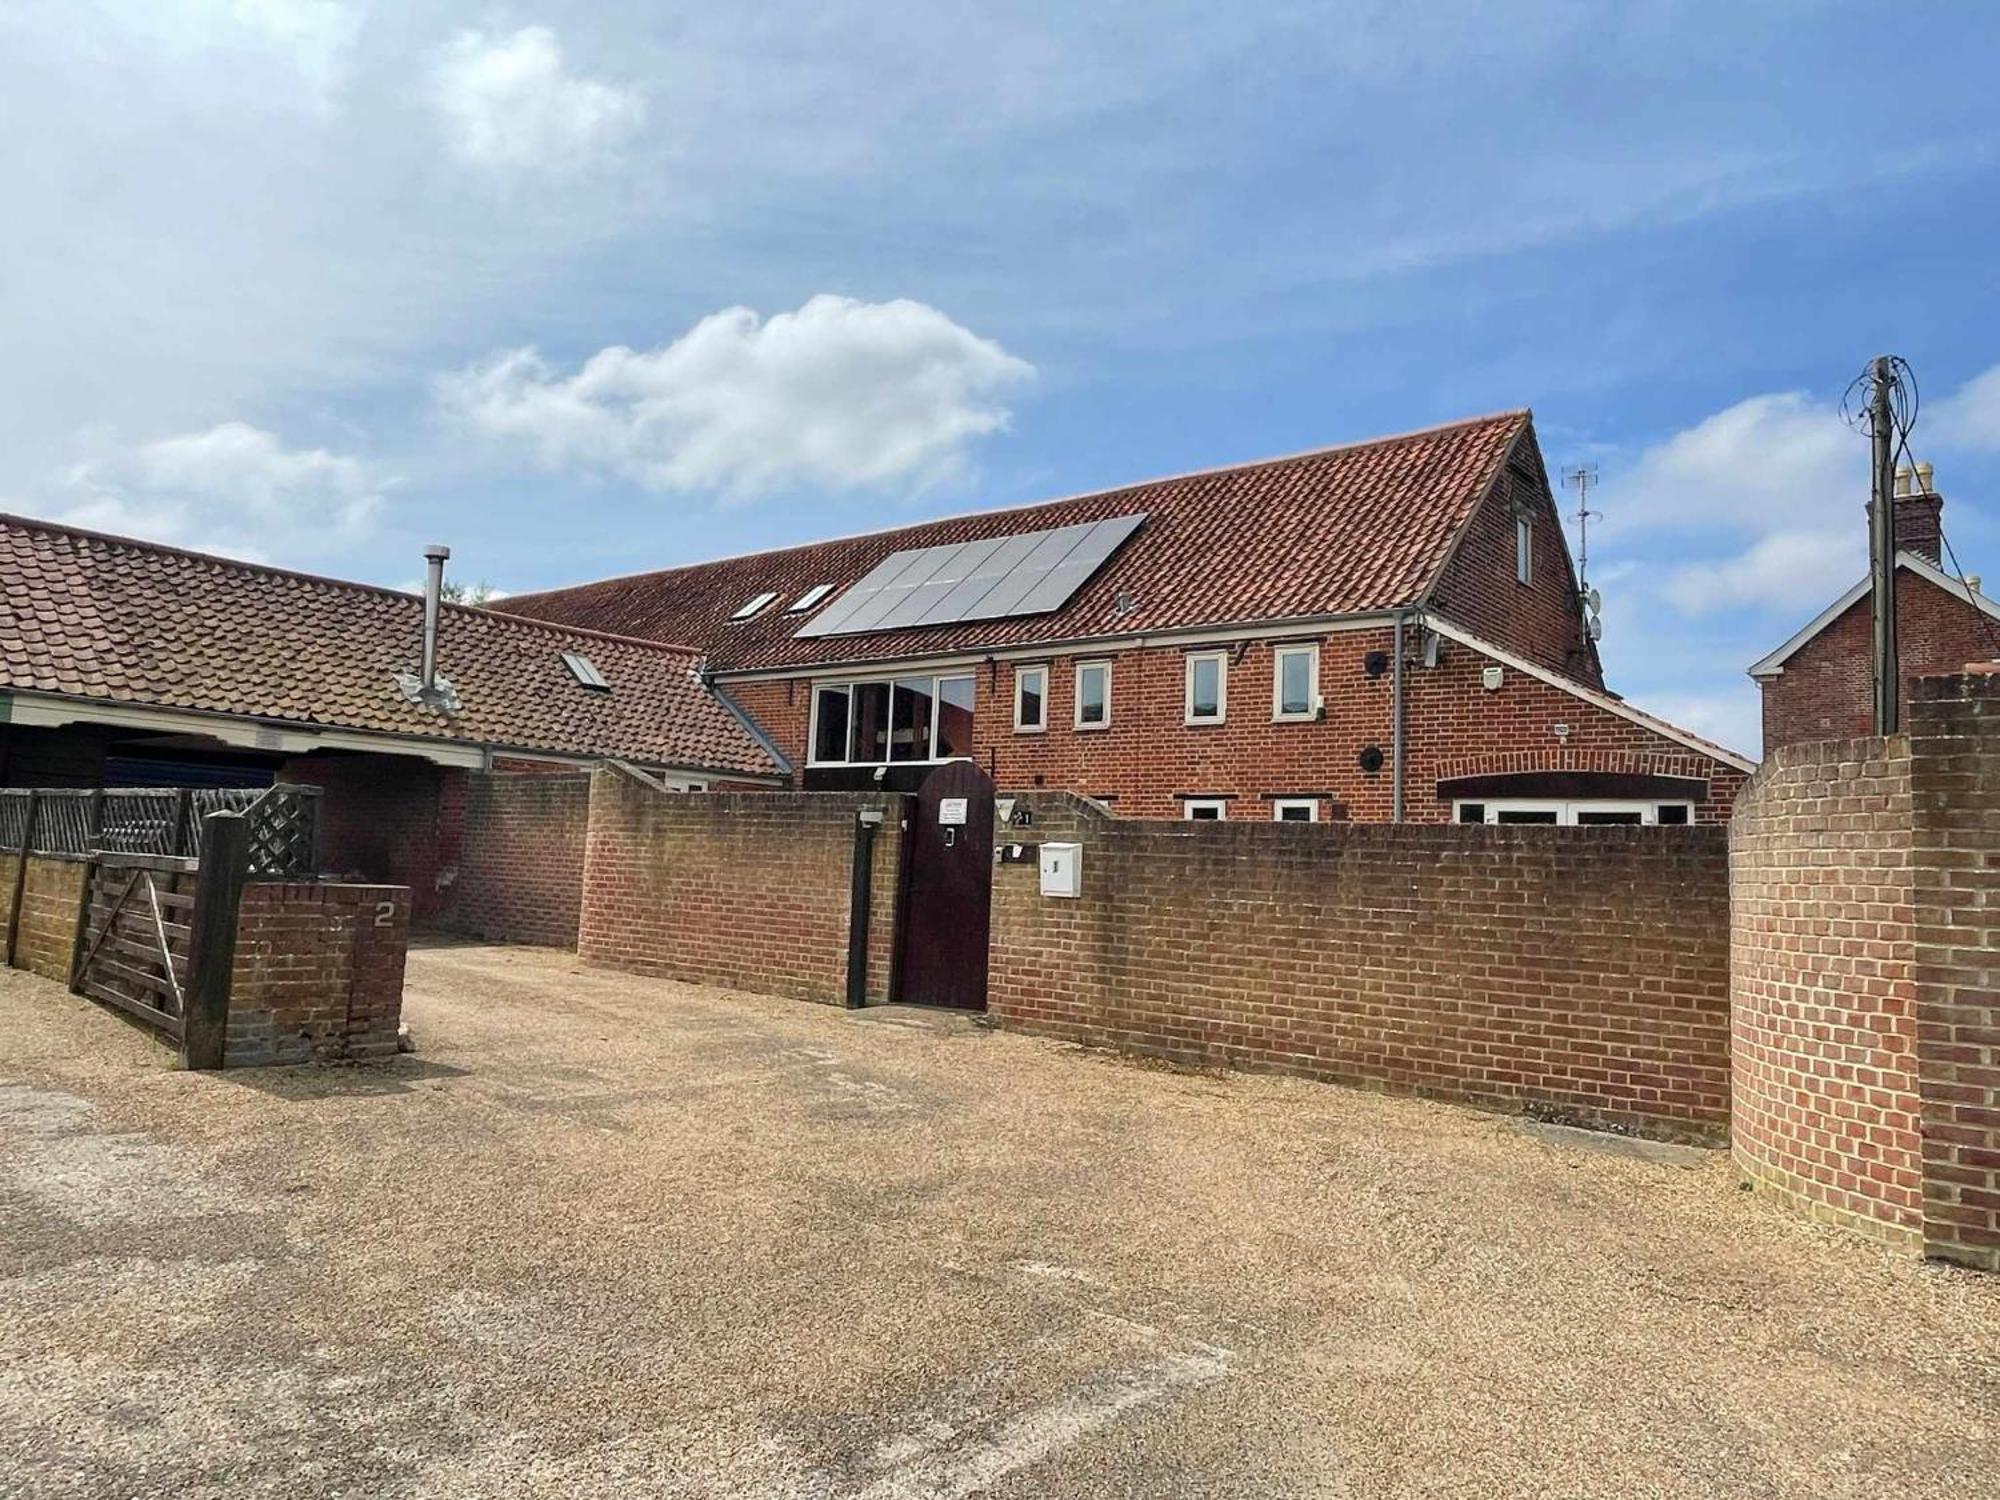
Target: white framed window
column 809, row 598
column 1093, row 695
column 752, row 605
column 1295, row 683
column 1524, row 550
column 1295, row 810
column 1207, row 699
column 1205, row 810
column 879, row 721
column 1031, row 700
column 1585, row 814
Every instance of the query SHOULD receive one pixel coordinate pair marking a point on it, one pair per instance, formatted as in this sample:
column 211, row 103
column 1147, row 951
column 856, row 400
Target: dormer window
column 753, row 606
column 808, row 599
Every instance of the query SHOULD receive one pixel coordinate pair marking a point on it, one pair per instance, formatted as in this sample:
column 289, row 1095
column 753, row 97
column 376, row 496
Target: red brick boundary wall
column 50, row 898
column 745, row 889
column 1577, row 973
column 318, row 974
column 1955, row 805
column 1823, row 1011
column 520, row 870
column 1865, row 976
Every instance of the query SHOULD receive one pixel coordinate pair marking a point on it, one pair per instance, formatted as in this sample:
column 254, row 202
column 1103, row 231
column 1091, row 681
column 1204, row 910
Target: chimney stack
column 434, row 557
column 1919, row 514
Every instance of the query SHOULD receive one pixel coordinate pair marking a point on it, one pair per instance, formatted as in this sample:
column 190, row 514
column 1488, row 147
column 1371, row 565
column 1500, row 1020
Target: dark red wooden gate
column 942, row 930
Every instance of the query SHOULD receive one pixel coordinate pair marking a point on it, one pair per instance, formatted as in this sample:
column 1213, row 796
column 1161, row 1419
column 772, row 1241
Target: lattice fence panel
column 283, row 819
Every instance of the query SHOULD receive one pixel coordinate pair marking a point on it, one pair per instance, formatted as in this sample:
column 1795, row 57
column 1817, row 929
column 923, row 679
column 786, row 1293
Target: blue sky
column 583, row 289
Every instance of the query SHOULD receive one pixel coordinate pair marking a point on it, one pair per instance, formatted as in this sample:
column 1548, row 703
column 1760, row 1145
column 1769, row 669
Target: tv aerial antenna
column 1581, row 477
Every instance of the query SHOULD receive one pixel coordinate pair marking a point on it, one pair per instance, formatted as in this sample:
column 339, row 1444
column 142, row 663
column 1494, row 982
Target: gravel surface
column 604, row 1236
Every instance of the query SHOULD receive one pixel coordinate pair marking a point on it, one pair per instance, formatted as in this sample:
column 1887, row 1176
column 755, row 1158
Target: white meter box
column 1062, row 869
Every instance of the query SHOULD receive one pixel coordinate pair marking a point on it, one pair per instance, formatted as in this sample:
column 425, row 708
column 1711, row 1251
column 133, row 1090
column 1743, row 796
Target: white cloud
column 1769, row 462
column 1786, row 570
column 509, row 102
column 1968, row 419
column 235, row 489
column 841, row 394
column 312, row 38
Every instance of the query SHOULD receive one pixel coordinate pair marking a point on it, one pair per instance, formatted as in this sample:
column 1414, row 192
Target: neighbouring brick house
column 1819, row 685
column 127, row 663
column 1229, row 649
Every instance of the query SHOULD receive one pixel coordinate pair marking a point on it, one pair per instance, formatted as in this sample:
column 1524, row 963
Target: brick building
column 1819, row 685
column 126, row 663
column 1389, row 628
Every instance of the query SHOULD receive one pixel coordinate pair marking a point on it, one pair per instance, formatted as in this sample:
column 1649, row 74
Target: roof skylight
column 753, row 606
column 584, row 670
column 809, row 598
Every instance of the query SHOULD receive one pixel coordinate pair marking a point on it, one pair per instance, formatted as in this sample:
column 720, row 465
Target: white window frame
column 1020, row 726
column 1566, row 811
column 1220, row 804
column 1279, row 804
column 1076, row 707
column 1278, row 715
column 1524, row 549
column 755, row 606
column 848, row 685
column 1221, row 714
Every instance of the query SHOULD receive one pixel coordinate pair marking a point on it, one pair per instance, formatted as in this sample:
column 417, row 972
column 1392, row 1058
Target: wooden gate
column 133, row 945
column 942, row 931
column 156, row 937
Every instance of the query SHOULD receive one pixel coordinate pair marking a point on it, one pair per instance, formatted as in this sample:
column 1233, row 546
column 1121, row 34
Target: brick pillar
column 1955, row 792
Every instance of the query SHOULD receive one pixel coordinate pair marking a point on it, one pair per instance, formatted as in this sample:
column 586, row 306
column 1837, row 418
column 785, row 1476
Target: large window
column 907, row 719
column 1573, row 814
column 1093, row 694
column 1207, row 687
column 1295, row 682
column 1031, row 699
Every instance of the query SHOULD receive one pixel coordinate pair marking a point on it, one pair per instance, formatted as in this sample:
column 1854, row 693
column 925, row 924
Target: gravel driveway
column 616, row 1237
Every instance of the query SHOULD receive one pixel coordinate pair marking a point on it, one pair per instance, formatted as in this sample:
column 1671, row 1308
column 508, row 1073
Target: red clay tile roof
column 108, row 618
column 1342, row 531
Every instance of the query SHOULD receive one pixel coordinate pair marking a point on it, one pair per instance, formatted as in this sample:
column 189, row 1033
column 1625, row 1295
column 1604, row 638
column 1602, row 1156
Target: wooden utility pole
column 1882, row 549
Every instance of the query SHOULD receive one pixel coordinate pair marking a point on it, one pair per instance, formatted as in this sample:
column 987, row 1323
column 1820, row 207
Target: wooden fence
column 282, row 822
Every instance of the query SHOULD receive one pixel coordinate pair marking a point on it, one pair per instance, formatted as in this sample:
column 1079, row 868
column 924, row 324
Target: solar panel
column 1029, row 573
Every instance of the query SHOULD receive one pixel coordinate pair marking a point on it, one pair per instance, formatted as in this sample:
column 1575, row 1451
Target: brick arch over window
column 1634, row 768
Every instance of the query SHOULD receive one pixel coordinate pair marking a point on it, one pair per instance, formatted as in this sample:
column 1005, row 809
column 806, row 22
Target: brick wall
column 1955, row 796
column 1581, row 973
column 388, row 820
column 520, row 866
column 1148, row 760
column 318, row 974
column 1825, row 691
column 1823, row 994
column 50, row 896
column 1865, row 974
column 748, row 890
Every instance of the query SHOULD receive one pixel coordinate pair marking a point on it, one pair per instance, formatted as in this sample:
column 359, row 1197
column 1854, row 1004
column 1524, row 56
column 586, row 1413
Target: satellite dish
column 1596, row 628
column 1595, row 600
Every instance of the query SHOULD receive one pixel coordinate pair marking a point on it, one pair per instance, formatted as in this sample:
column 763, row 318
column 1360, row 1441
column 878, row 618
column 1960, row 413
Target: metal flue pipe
column 434, row 557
